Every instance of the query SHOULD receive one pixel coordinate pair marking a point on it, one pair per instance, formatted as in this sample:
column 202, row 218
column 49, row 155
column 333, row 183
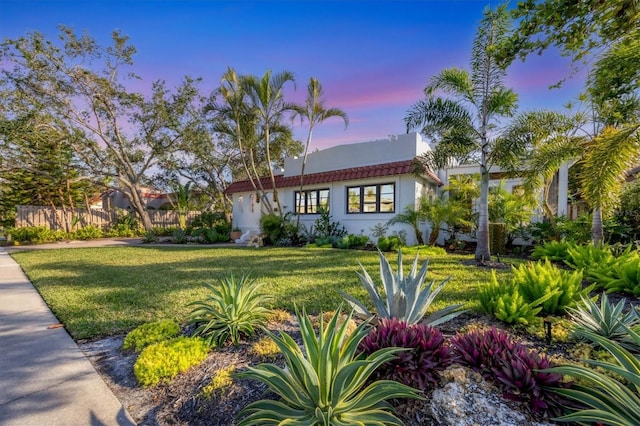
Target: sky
column 373, row 58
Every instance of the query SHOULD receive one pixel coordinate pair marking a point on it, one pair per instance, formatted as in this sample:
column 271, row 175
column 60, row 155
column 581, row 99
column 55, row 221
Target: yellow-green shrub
column 220, row 380
column 161, row 362
column 149, row 333
column 265, row 348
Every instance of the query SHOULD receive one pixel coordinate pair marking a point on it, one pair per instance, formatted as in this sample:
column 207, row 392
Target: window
column 308, row 202
column 371, row 198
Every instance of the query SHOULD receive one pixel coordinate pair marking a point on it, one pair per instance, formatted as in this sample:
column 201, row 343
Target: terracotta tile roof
column 365, row 172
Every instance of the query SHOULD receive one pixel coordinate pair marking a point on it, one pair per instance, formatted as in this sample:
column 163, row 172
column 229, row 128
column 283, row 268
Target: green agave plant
column 610, row 401
column 404, row 299
column 234, row 307
column 326, row 384
column 606, row 320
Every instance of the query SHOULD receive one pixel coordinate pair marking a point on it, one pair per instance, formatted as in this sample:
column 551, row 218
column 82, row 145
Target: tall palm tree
column 461, row 110
column 266, row 95
column 315, row 112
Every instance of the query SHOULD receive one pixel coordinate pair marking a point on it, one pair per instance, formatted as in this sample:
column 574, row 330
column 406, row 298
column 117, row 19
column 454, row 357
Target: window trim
column 378, row 187
column 306, row 205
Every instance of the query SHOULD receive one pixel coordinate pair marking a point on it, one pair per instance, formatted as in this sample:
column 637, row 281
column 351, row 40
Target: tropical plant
column 556, row 251
column 596, row 262
column 495, row 355
column 417, row 367
column 326, row 384
column 463, row 121
column 162, row 361
column 508, row 304
column 151, row 332
column 267, row 103
column 315, row 112
column 233, row 308
column 405, row 298
column 625, row 277
column 412, row 217
column 537, row 279
column 607, row 320
column 611, row 397
column 443, row 210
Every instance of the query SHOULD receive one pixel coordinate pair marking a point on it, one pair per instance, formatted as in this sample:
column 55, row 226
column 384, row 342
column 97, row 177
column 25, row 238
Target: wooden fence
column 73, row 219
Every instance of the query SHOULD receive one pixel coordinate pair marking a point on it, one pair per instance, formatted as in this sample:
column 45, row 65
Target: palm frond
column 605, row 164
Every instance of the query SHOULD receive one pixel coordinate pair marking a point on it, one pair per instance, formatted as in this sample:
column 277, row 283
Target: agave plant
column 326, row 384
column 234, row 307
column 405, row 298
column 608, row 400
column 606, row 320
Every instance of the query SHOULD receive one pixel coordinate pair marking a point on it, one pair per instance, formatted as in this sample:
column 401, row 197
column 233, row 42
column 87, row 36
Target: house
column 362, row 184
column 153, row 199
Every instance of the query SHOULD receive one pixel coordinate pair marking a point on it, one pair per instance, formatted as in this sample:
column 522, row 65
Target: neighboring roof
column 365, row 172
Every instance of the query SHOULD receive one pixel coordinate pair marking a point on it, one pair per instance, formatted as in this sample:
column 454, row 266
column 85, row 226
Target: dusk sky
column 373, row 58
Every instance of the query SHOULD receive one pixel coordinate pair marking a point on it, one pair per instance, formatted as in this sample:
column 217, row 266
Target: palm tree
column 266, row 96
column 315, row 113
column 412, row 217
column 463, row 119
column 442, row 210
column 605, row 155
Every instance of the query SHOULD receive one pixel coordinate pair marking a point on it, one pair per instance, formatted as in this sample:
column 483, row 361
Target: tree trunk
column 418, row 235
column 482, row 249
column 138, row 205
column 433, row 237
column 597, row 230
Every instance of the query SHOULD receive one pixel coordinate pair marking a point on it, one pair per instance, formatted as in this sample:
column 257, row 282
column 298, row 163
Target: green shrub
column 326, row 384
column 88, row 232
column 149, row 333
column 595, row 262
column 506, row 303
column 233, row 308
column 624, row 276
column 352, row 241
column 209, row 219
column 150, row 237
column 392, row 243
column 161, row 362
column 163, row 231
column 405, row 298
column 535, row 280
column 179, row 236
column 36, row 234
column 556, row 251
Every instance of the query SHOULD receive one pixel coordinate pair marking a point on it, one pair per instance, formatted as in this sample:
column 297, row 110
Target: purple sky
column 373, row 58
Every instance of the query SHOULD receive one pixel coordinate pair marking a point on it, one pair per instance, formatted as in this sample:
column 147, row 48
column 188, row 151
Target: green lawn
column 101, row 291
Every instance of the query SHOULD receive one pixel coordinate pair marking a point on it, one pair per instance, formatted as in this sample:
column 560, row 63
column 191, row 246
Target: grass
column 96, row 292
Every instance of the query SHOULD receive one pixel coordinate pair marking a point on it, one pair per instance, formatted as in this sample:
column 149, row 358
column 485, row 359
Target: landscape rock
column 466, row 399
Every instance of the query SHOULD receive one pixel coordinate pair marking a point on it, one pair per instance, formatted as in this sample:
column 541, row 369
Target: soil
column 181, row 402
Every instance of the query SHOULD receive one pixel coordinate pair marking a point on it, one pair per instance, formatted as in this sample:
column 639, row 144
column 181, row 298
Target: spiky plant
column 611, row 399
column 404, row 298
column 233, row 308
column 326, row 384
column 606, row 320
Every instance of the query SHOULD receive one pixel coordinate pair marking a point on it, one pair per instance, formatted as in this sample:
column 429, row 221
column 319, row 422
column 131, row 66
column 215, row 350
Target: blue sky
column 373, row 58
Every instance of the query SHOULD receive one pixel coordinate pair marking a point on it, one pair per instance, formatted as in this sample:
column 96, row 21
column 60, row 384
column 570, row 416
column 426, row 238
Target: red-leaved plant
column 514, row 367
column 417, row 367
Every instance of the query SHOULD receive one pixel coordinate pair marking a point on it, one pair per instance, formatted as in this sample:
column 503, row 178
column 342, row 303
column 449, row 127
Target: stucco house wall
column 384, row 161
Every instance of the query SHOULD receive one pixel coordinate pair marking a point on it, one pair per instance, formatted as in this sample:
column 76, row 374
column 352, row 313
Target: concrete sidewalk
column 44, row 377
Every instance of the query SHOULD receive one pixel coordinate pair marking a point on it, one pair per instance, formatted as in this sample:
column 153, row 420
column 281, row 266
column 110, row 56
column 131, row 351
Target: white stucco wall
column 246, row 211
column 395, row 148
